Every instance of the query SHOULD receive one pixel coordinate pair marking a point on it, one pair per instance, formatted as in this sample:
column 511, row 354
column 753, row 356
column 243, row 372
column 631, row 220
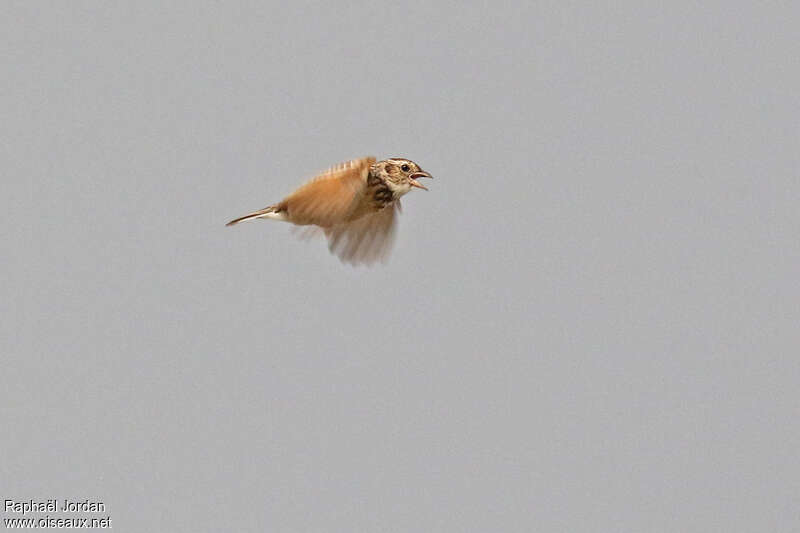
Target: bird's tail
column 271, row 211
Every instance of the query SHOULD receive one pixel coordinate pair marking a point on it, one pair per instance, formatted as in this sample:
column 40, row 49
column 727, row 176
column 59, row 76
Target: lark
column 353, row 203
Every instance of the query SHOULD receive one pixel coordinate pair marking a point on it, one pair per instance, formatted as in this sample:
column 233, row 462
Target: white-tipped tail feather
column 268, row 212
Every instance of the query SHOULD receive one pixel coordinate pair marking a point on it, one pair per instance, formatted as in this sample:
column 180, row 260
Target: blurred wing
column 328, row 198
column 364, row 240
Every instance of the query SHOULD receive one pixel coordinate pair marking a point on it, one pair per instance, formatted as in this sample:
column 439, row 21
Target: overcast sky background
column 590, row 322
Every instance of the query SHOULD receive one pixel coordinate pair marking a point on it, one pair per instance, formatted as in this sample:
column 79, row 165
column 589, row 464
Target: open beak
column 421, row 174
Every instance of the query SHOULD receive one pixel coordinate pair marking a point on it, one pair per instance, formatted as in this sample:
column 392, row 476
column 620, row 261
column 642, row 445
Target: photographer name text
column 53, row 505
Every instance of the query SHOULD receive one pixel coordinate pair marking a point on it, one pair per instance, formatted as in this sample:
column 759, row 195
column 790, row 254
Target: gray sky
column 590, row 322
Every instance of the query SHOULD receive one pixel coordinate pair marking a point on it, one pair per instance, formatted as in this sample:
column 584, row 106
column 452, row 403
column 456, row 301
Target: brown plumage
column 354, row 203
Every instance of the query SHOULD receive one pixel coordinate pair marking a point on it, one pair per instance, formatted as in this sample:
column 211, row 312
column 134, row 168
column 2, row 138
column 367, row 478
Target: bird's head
column 401, row 174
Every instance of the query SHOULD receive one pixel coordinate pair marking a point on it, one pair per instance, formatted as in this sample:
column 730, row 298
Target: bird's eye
column 404, row 168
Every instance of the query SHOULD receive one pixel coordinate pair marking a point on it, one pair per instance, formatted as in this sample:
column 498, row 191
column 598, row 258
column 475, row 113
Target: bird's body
column 354, row 203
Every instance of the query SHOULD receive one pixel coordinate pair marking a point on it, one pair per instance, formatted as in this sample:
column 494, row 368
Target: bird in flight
column 353, row 203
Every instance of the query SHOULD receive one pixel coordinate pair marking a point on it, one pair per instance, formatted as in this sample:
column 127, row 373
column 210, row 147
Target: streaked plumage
column 354, row 203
